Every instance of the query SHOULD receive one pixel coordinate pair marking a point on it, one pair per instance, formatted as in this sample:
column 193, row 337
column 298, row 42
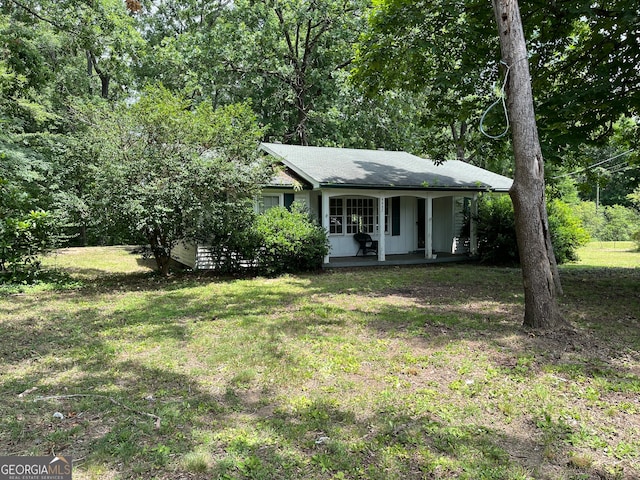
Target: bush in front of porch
column 291, row 241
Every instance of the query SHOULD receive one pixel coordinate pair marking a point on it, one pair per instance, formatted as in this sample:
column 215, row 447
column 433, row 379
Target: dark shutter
column 395, row 216
column 288, row 200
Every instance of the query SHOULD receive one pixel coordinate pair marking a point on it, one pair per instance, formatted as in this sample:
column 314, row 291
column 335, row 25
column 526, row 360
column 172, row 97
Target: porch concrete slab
column 394, row 260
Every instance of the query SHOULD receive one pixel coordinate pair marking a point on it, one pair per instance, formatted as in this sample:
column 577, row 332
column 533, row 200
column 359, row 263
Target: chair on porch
column 365, row 243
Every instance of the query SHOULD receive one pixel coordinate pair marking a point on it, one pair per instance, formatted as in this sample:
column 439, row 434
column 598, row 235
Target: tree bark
column 161, row 253
column 92, row 63
column 539, row 268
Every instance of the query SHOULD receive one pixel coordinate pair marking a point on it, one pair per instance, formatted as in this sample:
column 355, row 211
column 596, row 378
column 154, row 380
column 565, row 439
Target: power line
column 621, row 168
column 595, row 165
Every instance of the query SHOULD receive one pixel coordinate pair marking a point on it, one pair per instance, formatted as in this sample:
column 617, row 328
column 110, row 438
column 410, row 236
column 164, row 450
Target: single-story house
column 407, row 204
column 404, row 202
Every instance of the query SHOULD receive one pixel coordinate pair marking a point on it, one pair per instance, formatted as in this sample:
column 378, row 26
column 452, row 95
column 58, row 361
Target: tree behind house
column 170, row 170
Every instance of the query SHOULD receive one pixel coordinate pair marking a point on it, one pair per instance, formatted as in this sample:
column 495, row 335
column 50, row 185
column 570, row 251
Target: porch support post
column 473, row 232
column 428, row 223
column 325, row 219
column 381, row 229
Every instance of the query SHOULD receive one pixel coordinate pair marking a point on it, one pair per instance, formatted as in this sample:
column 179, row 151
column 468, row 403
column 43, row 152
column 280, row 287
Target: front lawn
column 389, row 373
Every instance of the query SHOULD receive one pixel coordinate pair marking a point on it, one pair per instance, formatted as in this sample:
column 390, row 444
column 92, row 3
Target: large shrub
column 291, row 241
column 25, row 234
column 567, row 233
column 496, row 230
column 171, row 169
column 497, row 242
column 591, row 221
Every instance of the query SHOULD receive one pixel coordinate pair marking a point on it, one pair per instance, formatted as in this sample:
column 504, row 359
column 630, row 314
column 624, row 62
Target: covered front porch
column 406, row 226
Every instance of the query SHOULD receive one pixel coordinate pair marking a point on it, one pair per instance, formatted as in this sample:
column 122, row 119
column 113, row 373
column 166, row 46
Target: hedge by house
column 497, row 242
column 290, row 241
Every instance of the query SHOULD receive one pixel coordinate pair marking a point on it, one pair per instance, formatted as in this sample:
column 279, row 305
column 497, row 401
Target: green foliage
column 26, row 229
column 24, row 235
column 634, row 198
column 291, row 241
column 170, row 170
column 636, row 238
column 567, row 232
column 584, row 90
column 432, row 49
column 592, row 222
column 496, row 230
column 497, row 242
column 608, row 223
column 619, row 223
column 582, row 57
column 283, row 55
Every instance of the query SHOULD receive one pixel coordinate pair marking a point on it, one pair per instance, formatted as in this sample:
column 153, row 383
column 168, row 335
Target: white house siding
column 302, row 197
column 185, row 253
column 197, row 257
column 407, row 241
column 442, row 223
column 204, row 258
column 315, row 204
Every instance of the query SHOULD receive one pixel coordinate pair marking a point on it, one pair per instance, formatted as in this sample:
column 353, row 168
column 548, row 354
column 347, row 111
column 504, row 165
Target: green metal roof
column 382, row 169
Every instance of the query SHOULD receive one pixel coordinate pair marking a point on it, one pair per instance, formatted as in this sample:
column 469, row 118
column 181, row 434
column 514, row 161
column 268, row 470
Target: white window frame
column 361, row 215
column 261, row 205
column 336, row 216
column 364, row 212
column 387, row 216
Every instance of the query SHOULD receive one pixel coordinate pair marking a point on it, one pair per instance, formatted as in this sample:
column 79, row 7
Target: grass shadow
column 408, row 373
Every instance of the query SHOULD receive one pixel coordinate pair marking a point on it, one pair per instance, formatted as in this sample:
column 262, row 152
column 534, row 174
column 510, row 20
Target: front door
column 420, row 222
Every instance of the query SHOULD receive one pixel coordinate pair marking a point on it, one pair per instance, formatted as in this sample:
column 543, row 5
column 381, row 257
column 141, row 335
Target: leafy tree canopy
column 583, row 62
column 172, row 172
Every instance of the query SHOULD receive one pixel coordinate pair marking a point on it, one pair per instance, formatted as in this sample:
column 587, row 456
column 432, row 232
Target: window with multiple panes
column 269, row 201
column 353, row 215
column 360, row 215
column 387, row 216
column 336, row 215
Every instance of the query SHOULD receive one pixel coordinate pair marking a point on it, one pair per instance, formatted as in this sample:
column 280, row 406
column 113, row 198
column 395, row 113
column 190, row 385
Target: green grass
column 418, row 372
column 610, row 254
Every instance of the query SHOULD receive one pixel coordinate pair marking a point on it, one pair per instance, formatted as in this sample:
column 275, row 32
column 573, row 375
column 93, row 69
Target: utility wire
column 620, row 169
column 595, row 165
column 502, row 98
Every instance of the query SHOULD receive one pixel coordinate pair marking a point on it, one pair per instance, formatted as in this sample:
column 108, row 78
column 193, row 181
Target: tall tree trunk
column 92, row 65
column 300, row 90
column 460, row 140
column 161, row 253
column 539, row 268
column 83, row 234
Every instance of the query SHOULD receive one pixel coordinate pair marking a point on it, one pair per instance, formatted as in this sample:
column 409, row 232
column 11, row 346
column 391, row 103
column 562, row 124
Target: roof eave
column 479, row 188
column 314, row 183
